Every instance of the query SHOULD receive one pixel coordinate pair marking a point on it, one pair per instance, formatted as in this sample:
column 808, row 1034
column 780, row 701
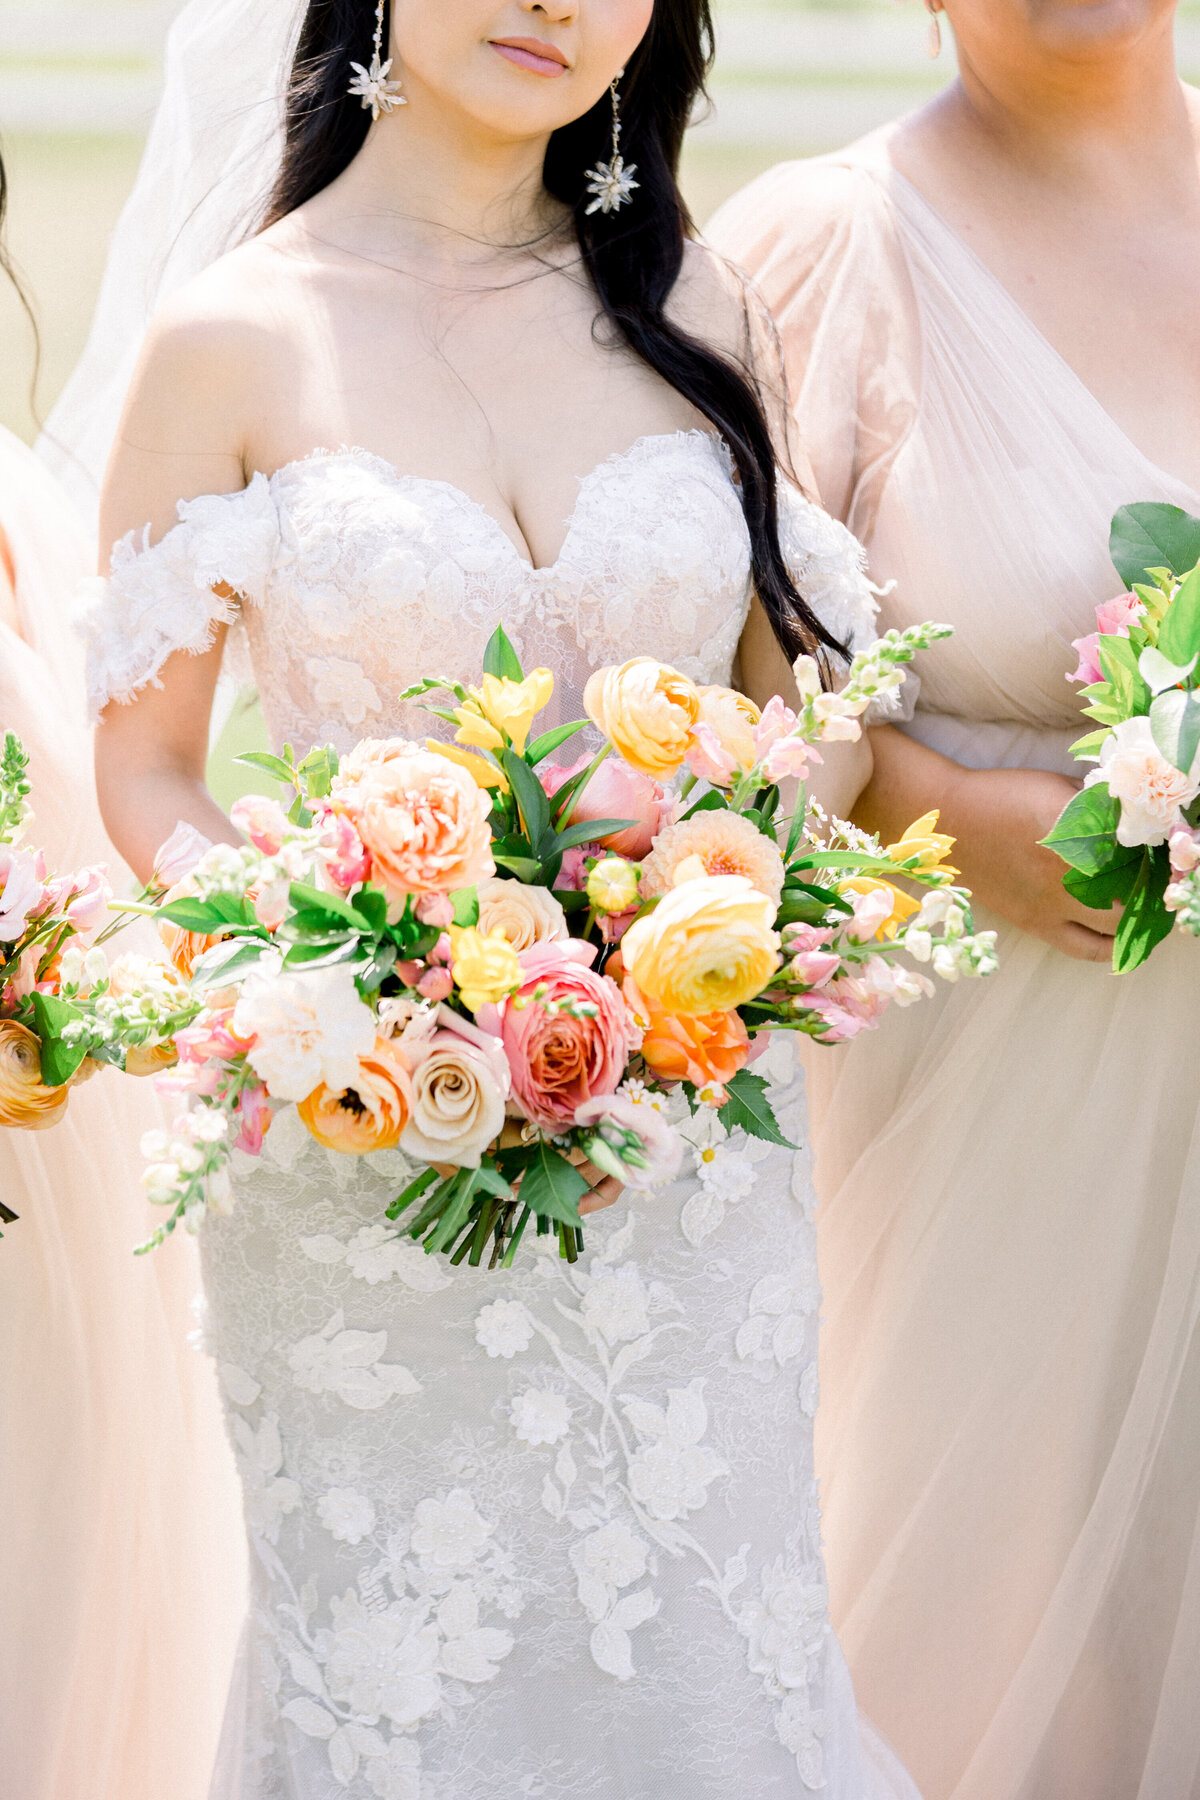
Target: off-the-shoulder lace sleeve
column 829, row 567
column 160, row 598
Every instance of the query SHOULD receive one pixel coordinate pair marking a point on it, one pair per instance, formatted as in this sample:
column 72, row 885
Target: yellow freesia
column 485, row 967
column 923, row 840
column 485, row 774
column 500, row 711
column 903, row 905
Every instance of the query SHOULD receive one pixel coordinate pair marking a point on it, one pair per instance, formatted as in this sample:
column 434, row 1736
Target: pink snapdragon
column 179, row 855
column 1183, row 847
column 254, row 1115
column 707, row 757
column 87, row 908
column 347, row 861
column 22, row 890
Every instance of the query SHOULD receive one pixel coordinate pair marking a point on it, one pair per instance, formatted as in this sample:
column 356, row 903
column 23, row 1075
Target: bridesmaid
column 119, row 1546
column 989, row 315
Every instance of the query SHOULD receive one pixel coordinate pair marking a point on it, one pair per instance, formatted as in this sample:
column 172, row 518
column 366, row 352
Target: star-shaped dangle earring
column 371, row 85
column 611, row 182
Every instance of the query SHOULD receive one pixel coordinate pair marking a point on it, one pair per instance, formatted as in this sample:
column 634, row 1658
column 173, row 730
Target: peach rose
column 709, row 946
column 701, row 1048
column 733, row 719
column 423, row 821
column 371, row 1113
column 24, row 1102
column 647, row 711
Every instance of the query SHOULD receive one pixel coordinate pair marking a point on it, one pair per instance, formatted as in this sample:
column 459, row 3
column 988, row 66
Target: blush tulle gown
column 1009, row 1176
column 119, row 1553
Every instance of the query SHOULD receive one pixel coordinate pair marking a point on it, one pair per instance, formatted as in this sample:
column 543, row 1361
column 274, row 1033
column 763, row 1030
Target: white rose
column 1152, row 791
column 309, row 1027
column 526, row 915
column 459, row 1088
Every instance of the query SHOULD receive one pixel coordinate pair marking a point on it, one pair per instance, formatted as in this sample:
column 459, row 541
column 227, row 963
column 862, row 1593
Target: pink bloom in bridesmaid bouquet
column 254, row 1117
column 615, row 791
column 180, row 854
column 561, row 1059
column 21, row 889
column 87, row 908
column 346, row 860
column 423, row 821
column 1114, row 618
column 262, row 820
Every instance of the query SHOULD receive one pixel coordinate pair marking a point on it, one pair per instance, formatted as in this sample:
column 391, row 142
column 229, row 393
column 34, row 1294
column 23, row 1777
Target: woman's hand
column 606, row 1190
column 997, row 817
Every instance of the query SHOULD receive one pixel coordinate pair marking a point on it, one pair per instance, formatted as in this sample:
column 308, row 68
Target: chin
column 1096, row 24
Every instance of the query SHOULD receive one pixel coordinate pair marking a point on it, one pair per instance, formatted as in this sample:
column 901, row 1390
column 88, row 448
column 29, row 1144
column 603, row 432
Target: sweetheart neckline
column 359, row 453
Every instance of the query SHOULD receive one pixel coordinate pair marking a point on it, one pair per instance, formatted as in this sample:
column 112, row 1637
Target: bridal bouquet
column 501, row 965
column 1132, row 833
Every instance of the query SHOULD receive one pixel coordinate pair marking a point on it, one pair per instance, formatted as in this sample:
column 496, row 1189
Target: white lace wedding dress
column 553, row 1532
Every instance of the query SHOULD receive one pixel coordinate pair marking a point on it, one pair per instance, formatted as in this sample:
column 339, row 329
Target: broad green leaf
column 713, row 801
column 748, row 1109
column 571, row 899
column 324, row 956
column 1085, row 833
column 273, row 765
column 550, row 741
column 525, row 868
column 200, row 916
column 315, row 903
column 1145, row 921
column 1179, row 633
column 530, row 795
column 1148, row 536
column 1175, row 723
column 569, row 792
column 371, row 905
column 1127, row 689
column 1086, row 748
column 1159, row 674
column 553, row 1187
column 500, row 658
column 1104, row 890
column 586, row 833
column 59, row 1060
column 465, row 902
column 373, row 974
column 231, row 960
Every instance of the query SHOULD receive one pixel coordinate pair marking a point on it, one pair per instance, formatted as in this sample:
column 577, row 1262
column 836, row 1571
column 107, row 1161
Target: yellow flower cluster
column 500, row 711
column 486, row 968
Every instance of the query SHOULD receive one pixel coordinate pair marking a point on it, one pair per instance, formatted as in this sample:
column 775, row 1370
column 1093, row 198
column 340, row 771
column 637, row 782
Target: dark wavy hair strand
column 634, row 257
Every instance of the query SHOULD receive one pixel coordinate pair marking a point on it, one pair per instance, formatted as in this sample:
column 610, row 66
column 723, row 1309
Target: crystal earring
column 933, row 42
column 372, row 86
column 611, row 182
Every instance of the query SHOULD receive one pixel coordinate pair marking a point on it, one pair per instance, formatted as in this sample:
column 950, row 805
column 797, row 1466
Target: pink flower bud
column 436, row 909
column 615, row 791
column 88, row 907
column 436, row 984
column 262, row 820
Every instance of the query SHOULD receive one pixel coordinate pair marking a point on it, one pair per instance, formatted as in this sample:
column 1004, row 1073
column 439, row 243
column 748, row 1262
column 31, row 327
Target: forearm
column 141, row 810
column 905, row 781
column 837, row 781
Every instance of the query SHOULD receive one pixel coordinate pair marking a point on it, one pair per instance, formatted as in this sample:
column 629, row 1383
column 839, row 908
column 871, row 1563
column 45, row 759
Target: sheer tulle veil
column 209, row 165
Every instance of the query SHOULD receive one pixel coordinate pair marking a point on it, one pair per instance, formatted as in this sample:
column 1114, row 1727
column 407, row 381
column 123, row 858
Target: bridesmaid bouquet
column 1132, row 833
column 501, row 965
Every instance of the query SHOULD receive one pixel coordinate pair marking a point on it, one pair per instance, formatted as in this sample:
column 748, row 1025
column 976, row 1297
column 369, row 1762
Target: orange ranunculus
column 646, row 710
column 150, row 1059
column 372, row 1113
column 700, row 1048
column 24, row 1102
column 185, row 948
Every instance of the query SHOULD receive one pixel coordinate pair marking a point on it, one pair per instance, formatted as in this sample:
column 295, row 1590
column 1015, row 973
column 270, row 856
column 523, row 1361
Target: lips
column 531, row 54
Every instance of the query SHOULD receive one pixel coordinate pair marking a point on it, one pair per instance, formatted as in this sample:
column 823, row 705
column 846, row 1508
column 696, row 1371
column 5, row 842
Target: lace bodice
column 349, row 580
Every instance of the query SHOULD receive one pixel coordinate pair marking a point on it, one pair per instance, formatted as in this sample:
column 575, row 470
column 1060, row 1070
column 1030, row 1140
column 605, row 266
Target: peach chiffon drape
column 1009, row 1436
column 120, row 1560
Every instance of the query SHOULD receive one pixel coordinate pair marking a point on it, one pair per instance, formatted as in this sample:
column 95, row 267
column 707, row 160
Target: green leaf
column 748, row 1109
column 1085, row 748
column 500, row 658
column 553, row 1187
column 1148, row 536
column 1104, row 890
column 200, row 916
column 530, row 795
column 273, row 765
column 571, row 899
column 587, row 833
column 59, row 1060
column 465, row 902
column 371, row 905
column 1179, row 633
column 1159, row 674
column 314, row 903
column 1175, row 724
column 373, row 974
column 525, row 868
column 1085, row 833
column 713, row 801
column 544, row 746
column 229, row 961
column 323, row 956
column 1145, row 921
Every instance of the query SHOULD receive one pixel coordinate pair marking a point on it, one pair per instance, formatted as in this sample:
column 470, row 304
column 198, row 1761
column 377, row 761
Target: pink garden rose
column 615, row 791
column 423, row 821
column 558, row 1061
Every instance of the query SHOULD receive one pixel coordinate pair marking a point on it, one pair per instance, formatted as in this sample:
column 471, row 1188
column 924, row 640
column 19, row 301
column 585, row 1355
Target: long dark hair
column 634, row 257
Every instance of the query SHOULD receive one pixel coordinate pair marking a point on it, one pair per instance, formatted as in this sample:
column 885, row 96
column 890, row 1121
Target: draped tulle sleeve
column 172, row 596
column 818, row 240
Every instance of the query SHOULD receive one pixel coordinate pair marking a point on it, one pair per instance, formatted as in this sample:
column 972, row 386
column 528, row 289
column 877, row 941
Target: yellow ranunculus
column 485, row 968
column 24, row 1101
column 612, row 886
column 646, row 711
column 733, row 718
column 922, row 839
column 903, row 905
column 484, row 773
column 501, row 711
column 708, row 946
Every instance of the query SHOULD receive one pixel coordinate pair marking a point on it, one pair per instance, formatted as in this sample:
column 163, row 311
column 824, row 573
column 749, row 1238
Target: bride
column 555, row 1531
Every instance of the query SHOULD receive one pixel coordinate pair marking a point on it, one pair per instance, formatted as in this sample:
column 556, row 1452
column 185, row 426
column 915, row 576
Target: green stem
column 516, row 1237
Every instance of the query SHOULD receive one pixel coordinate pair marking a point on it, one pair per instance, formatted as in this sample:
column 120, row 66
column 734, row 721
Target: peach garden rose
column 422, row 819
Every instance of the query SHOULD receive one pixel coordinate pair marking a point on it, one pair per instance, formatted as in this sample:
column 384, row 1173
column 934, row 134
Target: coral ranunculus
column 371, row 1113
column 709, row 946
column 647, row 711
column 423, row 820
column 700, row 1048
column 25, row 1102
column 560, row 1058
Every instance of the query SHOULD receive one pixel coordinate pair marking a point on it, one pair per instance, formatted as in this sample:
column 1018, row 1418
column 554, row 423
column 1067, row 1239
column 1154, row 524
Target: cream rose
column 526, row 915
column 460, row 1084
